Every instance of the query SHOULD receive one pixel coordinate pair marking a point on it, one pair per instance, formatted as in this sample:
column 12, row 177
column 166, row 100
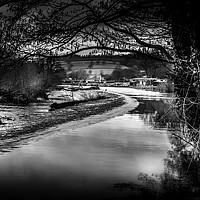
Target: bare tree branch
column 101, row 48
column 130, row 33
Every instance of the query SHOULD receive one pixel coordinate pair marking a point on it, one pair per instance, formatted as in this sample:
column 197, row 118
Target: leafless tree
column 53, row 28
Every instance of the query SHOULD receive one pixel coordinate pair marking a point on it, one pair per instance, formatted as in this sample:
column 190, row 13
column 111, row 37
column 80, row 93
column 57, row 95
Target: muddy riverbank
column 31, row 121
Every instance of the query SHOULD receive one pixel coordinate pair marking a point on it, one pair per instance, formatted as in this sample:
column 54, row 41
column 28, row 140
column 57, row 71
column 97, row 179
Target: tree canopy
column 65, row 27
column 159, row 29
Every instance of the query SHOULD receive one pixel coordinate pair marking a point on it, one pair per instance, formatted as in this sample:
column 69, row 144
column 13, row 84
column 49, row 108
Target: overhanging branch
column 102, row 48
column 153, row 46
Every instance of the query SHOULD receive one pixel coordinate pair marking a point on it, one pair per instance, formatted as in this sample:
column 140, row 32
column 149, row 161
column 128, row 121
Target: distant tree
column 82, row 74
column 107, row 77
column 117, row 74
column 91, row 64
column 155, row 68
column 69, row 67
column 57, row 67
column 130, row 73
column 101, row 73
column 73, row 75
column 79, row 74
column 103, row 62
column 97, row 62
column 120, row 74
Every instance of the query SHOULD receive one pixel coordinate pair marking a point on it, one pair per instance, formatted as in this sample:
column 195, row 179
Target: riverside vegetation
column 28, row 91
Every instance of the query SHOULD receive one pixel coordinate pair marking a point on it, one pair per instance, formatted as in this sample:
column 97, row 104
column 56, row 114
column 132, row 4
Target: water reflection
column 158, row 112
column 181, row 177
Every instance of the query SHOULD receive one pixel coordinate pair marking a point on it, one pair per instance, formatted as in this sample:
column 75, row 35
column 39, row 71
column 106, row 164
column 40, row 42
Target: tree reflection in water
column 181, row 179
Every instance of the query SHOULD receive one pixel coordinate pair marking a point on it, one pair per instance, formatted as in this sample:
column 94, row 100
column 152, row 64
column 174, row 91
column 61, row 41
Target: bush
column 28, row 81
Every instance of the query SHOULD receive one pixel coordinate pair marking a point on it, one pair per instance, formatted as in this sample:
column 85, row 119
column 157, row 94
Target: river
column 85, row 159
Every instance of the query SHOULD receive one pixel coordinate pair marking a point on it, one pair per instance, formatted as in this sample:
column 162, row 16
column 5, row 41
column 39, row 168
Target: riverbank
column 85, row 155
column 47, row 119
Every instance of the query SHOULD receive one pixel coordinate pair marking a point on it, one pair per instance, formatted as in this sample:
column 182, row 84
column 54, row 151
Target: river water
column 87, row 161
